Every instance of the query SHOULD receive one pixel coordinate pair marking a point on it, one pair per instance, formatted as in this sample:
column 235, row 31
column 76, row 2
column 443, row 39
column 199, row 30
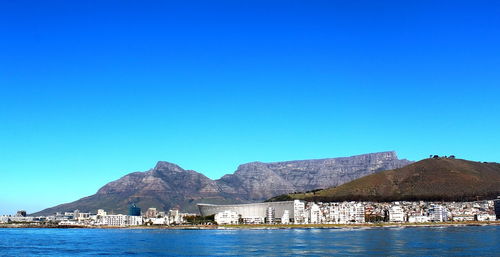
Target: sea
column 384, row 241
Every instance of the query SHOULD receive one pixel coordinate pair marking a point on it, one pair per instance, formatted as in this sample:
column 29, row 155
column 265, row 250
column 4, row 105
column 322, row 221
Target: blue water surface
column 410, row 241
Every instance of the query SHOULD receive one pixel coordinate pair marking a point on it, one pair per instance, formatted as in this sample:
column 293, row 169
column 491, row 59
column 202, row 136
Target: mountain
column 258, row 181
column 168, row 185
column 430, row 179
column 165, row 186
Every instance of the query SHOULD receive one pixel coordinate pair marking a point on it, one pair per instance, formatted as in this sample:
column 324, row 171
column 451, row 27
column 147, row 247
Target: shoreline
column 266, row 226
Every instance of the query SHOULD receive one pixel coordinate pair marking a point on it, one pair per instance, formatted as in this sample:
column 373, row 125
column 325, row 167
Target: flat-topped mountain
column 430, row 179
column 168, row 185
column 259, row 181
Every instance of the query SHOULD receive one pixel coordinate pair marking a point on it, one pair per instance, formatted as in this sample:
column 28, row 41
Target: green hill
column 429, row 179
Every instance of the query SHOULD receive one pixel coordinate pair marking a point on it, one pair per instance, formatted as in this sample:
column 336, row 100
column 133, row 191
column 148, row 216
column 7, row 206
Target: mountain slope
column 429, row 179
column 168, row 185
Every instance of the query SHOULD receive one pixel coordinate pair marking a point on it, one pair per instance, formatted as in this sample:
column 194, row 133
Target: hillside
column 429, row 179
column 167, row 185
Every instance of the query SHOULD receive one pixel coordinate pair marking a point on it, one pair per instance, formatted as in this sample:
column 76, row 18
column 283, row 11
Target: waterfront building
column 68, row 223
column 114, row 220
column 253, row 220
column 4, row 219
column 438, row 213
column 285, row 219
column 396, row 213
column 496, row 204
column 418, row 219
column 121, row 220
column 133, row 220
column 174, row 216
column 151, row 213
column 76, row 214
column 357, row 213
column 485, row 217
column 338, row 213
column 133, row 210
column 101, row 213
column 270, row 215
column 20, row 219
column 343, row 213
column 314, row 214
column 463, row 217
column 159, row 221
column 299, row 213
column 226, row 217
column 333, row 214
column 256, row 212
column 81, row 216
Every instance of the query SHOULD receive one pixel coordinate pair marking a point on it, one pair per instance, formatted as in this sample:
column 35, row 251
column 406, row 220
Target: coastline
column 266, row 226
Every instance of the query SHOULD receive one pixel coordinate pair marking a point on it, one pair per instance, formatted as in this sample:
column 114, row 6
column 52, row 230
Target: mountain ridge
column 167, row 185
column 433, row 179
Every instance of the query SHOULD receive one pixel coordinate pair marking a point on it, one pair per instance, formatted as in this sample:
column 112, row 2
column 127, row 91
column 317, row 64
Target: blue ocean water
column 410, row 241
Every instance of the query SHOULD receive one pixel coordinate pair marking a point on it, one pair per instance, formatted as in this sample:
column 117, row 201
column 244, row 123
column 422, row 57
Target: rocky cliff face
column 168, row 185
column 259, row 181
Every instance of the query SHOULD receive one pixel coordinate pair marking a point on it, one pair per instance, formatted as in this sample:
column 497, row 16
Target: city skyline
column 90, row 92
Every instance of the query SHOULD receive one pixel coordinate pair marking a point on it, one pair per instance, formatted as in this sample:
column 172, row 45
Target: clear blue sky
column 93, row 90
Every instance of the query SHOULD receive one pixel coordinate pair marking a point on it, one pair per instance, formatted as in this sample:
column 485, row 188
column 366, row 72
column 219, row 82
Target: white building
column 226, row 217
column 4, row 219
column 20, row 219
column 438, row 213
column 357, row 212
column 82, row 216
column 343, row 213
column 299, row 213
column 133, row 220
column 486, row 217
column 463, row 218
column 121, row 220
column 113, row 220
column 253, row 220
column 314, row 214
column 338, row 213
column 101, row 212
column 285, row 219
column 418, row 219
column 270, row 215
column 174, row 216
column 158, row 221
column 151, row 213
column 256, row 212
column 396, row 213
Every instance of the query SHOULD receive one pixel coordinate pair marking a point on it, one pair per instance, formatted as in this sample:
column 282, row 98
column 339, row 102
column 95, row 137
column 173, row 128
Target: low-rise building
column 4, row 219
column 158, row 221
column 485, row 217
column 226, row 217
column 418, row 219
column 121, row 220
column 459, row 218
